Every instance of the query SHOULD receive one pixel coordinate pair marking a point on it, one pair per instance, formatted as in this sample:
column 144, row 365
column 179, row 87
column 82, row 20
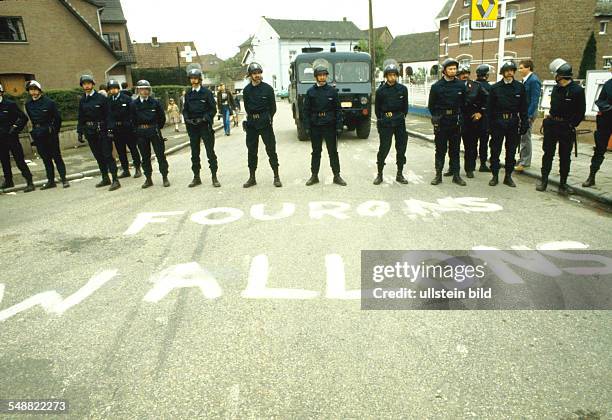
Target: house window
column 114, row 40
column 465, row 34
column 292, row 54
column 603, row 27
column 446, row 46
column 510, row 22
column 465, row 62
column 11, row 29
column 607, row 62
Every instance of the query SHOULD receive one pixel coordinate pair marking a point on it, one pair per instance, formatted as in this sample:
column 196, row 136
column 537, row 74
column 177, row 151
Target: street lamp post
column 371, row 44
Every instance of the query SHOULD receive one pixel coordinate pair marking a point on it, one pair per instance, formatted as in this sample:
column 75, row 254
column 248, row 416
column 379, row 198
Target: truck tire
column 301, row 133
column 363, row 128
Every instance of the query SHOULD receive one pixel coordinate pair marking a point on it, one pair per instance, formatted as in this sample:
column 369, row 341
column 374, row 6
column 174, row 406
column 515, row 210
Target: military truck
column 349, row 73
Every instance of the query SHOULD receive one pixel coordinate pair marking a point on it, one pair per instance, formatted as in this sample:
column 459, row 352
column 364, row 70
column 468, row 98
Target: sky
column 220, row 26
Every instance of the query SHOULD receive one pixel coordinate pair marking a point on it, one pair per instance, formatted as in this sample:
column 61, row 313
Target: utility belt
column 324, row 114
column 96, row 124
column 196, row 121
column 146, row 126
column 558, row 119
column 122, row 124
column 391, row 114
column 507, row 115
column 448, row 112
column 257, row 115
column 41, row 125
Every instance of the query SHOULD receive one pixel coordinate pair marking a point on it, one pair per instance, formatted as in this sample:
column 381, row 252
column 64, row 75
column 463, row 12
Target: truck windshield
column 352, row 72
column 306, row 73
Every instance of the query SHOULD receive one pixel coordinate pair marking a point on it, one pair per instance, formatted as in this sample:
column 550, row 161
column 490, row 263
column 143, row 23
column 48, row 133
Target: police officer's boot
column 469, row 174
column 8, row 183
column 48, row 185
column 458, row 180
column 148, row 182
column 437, row 179
column 379, row 176
column 277, row 181
column 543, row 184
column 400, row 175
column 314, row 179
column 166, row 183
column 448, row 173
column 339, row 181
column 590, row 181
column 65, row 183
column 115, row 184
column 29, row 187
column 137, row 172
column 196, row 181
column 215, row 181
column 105, row 181
column 494, row 179
column 251, row 181
column 484, row 167
column 563, row 187
column 508, row 181
column 125, row 173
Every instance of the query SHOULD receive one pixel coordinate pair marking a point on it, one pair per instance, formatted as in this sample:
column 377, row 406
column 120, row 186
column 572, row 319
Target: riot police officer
column 92, row 120
column 567, row 109
column 148, row 118
column 391, row 108
column 482, row 77
column 199, row 110
column 322, row 120
column 46, row 123
column 12, row 121
column 120, row 129
column 507, row 114
column 603, row 132
column 260, row 106
column 475, row 106
column 446, row 103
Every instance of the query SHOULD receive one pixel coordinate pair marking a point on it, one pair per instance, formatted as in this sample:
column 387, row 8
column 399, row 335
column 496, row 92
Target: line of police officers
column 460, row 108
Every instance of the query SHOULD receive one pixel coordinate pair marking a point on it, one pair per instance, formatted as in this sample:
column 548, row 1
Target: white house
column 417, row 55
column 277, row 42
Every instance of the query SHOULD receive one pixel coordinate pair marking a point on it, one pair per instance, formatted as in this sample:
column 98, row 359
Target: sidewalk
column 420, row 127
column 80, row 162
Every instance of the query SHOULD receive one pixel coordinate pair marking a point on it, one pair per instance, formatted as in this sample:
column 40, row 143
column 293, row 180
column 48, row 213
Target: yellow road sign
column 484, row 14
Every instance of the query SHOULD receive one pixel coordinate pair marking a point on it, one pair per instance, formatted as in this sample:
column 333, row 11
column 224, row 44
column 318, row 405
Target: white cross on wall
column 188, row 54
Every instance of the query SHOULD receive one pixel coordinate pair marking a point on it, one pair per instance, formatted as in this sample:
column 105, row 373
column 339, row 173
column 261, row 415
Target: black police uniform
column 391, row 107
column 475, row 102
column 260, row 106
column 92, row 120
column 148, row 118
column 199, row 110
column 567, row 109
column 483, row 127
column 446, row 102
column 322, row 117
column 507, row 116
column 12, row 121
column 46, row 123
column 121, row 130
column 604, row 126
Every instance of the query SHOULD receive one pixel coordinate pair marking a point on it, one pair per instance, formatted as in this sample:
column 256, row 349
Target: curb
column 92, row 172
column 580, row 190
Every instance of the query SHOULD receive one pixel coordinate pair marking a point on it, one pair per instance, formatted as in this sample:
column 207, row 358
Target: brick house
column 540, row 30
column 382, row 36
column 55, row 41
column 165, row 55
column 417, row 54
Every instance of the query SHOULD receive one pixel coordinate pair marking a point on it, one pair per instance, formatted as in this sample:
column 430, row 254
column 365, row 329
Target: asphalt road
column 88, row 311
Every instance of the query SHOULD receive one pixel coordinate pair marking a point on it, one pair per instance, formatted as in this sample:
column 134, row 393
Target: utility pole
column 501, row 50
column 178, row 60
column 372, row 50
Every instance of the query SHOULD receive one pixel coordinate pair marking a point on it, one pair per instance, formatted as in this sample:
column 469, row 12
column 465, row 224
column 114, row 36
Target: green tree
column 379, row 50
column 589, row 57
column 229, row 71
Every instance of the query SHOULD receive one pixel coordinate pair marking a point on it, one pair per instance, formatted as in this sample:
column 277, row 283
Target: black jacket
column 447, row 96
column 92, row 108
column 11, row 115
column 568, row 103
column 508, row 98
column 44, row 115
column 604, row 103
column 322, row 107
column 120, row 111
column 392, row 99
column 259, row 100
column 149, row 112
column 200, row 105
column 476, row 99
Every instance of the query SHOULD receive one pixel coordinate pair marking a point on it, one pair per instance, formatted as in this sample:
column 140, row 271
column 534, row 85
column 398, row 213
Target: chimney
column 154, row 41
column 344, row 19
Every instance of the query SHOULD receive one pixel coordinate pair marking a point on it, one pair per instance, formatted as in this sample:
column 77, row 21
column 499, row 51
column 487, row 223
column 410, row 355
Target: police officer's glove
column 523, row 129
column 378, row 124
column 307, row 131
column 12, row 130
column 80, row 138
column 338, row 131
column 219, row 116
column 110, row 134
column 244, row 126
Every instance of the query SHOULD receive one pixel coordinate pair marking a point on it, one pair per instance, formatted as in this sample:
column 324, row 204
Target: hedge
column 68, row 100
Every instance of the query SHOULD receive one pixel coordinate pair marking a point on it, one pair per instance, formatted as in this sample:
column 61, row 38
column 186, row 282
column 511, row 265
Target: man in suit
column 533, row 87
